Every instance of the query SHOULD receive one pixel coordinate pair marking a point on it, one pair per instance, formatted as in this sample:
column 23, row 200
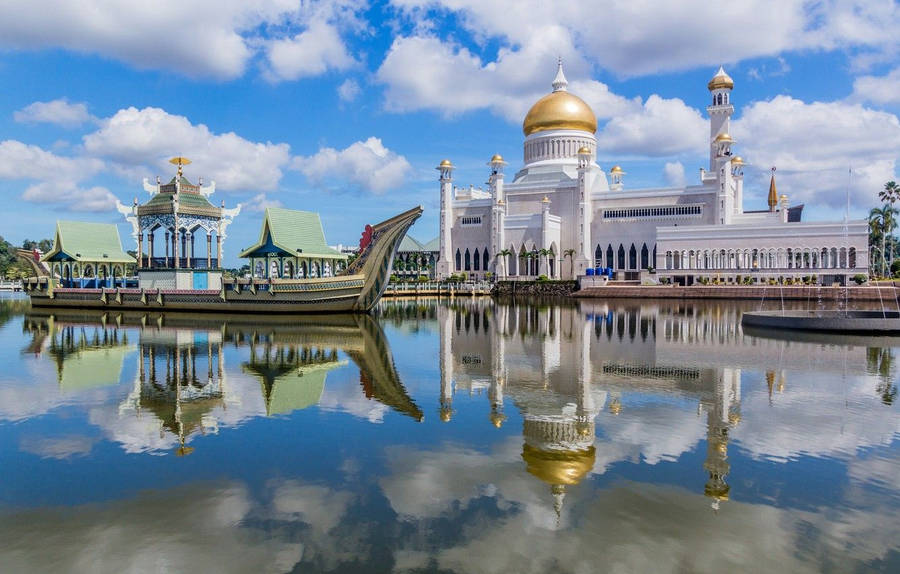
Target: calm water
column 462, row 437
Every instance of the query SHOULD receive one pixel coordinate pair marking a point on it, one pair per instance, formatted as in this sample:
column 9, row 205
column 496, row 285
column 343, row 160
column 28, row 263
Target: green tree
column 884, row 220
column 501, row 257
column 546, row 253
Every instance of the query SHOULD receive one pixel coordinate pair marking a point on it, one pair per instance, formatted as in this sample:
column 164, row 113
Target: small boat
column 355, row 290
column 870, row 322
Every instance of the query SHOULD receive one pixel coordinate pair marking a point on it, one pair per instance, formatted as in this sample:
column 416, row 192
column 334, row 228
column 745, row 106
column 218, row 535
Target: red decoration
column 366, row 238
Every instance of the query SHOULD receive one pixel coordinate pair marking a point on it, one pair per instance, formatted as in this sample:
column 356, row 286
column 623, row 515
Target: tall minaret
column 773, row 194
column 445, row 257
column 720, row 111
column 584, row 255
column 498, row 213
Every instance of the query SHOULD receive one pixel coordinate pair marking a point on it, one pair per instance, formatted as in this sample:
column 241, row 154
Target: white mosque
column 562, row 205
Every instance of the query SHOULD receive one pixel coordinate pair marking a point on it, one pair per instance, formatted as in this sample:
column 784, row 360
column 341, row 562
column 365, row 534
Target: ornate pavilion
column 174, row 216
column 88, row 255
column 292, row 245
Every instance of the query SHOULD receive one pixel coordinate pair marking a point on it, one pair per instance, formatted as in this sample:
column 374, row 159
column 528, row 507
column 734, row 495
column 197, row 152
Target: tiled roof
column 292, row 230
column 83, row 241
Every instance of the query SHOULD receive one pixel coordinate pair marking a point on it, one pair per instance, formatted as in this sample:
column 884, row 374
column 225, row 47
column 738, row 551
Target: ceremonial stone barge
column 292, row 268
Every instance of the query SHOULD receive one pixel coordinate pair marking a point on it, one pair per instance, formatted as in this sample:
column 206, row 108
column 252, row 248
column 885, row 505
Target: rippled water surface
column 463, row 436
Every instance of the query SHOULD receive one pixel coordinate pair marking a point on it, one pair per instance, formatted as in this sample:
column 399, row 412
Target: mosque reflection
column 181, row 381
column 563, row 367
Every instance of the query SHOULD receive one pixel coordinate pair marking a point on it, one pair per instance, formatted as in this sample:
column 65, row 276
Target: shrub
column 542, row 278
column 859, row 278
column 423, row 278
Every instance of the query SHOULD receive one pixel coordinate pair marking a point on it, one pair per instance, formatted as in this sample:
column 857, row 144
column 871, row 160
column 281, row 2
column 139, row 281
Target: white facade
column 562, row 214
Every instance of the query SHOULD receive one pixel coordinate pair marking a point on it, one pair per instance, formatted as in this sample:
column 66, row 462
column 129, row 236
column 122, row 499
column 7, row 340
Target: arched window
column 621, row 261
column 654, row 256
column 485, row 259
column 458, row 261
column 477, row 260
column 609, row 256
column 598, row 256
column 645, row 257
column 468, row 260
column 632, row 257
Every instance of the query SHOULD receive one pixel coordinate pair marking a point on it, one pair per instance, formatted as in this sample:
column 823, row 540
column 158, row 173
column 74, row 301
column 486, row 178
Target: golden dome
column 559, row 110
column 445, row 163
column 584, row 150
column 545, row 200
column 717, row 490
column 720, row 80
column 558, row 467
column 497, row 418
column 723, row 138
column 616, row 169
column 737, row 160
column 497, row 158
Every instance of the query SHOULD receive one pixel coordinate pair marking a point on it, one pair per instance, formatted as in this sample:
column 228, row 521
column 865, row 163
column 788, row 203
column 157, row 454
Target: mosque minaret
column 562, row 205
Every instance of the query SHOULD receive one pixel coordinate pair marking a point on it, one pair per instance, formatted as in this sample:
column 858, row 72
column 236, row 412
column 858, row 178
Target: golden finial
column 180, row 162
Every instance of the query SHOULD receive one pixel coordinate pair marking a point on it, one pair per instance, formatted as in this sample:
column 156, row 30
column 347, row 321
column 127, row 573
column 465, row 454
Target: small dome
column 584, row 150
column 720, row 81
column 497, row 158
column 446, row 163
column 737, row 160
column 616, row 169
column 545, row 200
column 723, row 138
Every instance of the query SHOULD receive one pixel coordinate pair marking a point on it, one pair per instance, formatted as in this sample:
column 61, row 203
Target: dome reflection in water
column 466, row 436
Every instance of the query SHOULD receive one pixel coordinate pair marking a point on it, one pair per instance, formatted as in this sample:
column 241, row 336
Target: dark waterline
column 462, row 436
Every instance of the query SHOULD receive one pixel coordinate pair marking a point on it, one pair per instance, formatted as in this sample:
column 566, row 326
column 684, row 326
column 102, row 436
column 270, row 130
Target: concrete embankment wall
column 885, row 293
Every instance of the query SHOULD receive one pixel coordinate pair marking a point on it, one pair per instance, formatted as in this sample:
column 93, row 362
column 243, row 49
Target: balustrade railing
column 183, row 263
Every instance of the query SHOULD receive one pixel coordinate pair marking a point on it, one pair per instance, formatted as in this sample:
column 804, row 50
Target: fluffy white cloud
column 814, row 144
column 260, row 202
column 645, row 37
column 310, row 53
column 349, row 90
column 59, row 112
column 673, row 172
column 879, row 89
column 134, row 137
column 57, row 178
column 367, row 164
column 205, row 38
column 658, row 127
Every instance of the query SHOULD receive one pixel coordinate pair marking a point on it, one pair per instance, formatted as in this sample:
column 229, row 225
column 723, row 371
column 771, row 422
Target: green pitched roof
column 434, row 244
column 291, row 230
column 93, row 242
column 95, row 367
column 409, row 245
column 185, row 199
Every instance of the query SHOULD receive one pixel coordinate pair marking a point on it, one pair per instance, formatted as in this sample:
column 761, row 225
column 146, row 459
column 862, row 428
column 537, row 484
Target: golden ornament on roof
column 497, row 158
column 616, row 169
column 584, row 150
column 559, row 111
column 720, row 81
column 737, row 159
column 724, row 138
column 558, row 467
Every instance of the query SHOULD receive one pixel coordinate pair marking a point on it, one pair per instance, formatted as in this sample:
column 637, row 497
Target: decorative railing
column 183, row 263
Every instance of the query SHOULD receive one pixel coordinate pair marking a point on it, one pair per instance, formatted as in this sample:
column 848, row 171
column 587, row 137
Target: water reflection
column 633, row 436
column 180, row 386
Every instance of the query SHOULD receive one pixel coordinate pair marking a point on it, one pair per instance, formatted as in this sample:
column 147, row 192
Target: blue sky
column 346, row 107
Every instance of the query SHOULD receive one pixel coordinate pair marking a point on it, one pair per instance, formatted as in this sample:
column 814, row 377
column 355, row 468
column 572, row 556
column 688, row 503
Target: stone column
column 208, row 250
column 219, row 249
column 140, row 253
column 175, row 247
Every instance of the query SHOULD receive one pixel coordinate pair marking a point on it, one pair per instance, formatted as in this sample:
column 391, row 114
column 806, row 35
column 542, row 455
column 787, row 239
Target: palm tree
column 883, row 219
column 501, row 256
column 570, row 253
column 546, row 253
column 890, row 194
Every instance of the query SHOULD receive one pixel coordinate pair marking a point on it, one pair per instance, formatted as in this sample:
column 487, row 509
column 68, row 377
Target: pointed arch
column 598, row 256
column 458, row 260
column 477, row 260
column 632, row 258
column 467, row 260
column 645, row 257
column 485, row 259
column 621, row 257
column 609, row 256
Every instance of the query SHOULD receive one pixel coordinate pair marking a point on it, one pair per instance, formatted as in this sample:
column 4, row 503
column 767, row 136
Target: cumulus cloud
column 366, row 164
column 349, row 90
column 260, row 202
column 59, row 112
column 878, row 89
column 203, row 39
column 62, row 447
column 310, row 53
column 814, row 144
column 57, row 179
column 673, row 172
column 134, row 137
column 638, row 38
column 658, row 127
